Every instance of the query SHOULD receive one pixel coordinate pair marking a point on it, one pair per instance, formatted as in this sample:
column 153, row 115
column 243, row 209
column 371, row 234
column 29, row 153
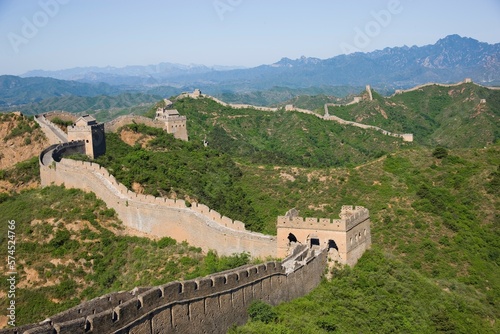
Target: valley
column 401, row 179
column 434, row 217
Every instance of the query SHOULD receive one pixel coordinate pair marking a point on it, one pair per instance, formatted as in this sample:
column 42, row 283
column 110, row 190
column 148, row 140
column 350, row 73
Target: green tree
column 440, row 153
column 260, row 311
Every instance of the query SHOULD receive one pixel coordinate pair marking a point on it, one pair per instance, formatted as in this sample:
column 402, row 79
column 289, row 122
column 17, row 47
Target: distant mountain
column 129, row 75
column 18, row 91
column 450, row 59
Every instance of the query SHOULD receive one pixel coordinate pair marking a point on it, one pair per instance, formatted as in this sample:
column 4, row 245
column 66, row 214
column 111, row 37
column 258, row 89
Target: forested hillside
column 435, row 261
column 103, row 107
column 447, row 116
column 434, row 210
column 282, row 138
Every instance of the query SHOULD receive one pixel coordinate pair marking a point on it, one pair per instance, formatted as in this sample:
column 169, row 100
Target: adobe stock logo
column 30, row 27
column 373, row 28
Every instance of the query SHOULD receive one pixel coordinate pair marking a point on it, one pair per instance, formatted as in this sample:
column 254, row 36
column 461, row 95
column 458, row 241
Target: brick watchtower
column 87, row 129
column 346, row 238
column 174, row 122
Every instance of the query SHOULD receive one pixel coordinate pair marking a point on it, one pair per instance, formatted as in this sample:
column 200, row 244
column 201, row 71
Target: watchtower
column 87, row 129
column 174, row 122
column 346, row 238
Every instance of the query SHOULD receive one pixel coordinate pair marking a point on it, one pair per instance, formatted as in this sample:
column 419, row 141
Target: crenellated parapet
column 157, row 216
column 348, row 237
column 53, row 133
column 349, row 217
column 209, row 304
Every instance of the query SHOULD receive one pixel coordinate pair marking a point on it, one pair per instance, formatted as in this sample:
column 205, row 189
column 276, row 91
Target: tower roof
column 85, row 120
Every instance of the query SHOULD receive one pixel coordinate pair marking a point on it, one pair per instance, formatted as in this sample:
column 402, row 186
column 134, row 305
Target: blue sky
column 58, row 34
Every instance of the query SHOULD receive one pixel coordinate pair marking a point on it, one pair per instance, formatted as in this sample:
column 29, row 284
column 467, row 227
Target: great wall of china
column 215, row 303
column 113, row 125
column 405, row 136
column 206, row 305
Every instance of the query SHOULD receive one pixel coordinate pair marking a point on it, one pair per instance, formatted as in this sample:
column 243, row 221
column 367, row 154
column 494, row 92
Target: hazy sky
column 58, row 34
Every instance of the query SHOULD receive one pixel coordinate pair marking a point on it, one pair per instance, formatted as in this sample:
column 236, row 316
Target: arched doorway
column 292, row 238
column 332, row 245
column 333, row 252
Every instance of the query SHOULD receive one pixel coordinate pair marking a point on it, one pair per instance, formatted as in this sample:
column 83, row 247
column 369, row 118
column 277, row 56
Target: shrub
column 260, row 311
column 440, row 153
column 166, row 242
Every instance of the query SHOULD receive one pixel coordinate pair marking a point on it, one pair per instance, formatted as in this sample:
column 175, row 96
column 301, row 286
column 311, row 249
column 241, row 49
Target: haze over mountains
column 448, row 60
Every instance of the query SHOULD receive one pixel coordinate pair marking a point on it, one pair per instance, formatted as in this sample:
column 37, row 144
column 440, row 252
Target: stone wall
column 239, row 105
column 65, row 149
column 159, row 217
column 206, row 305
column 405, row 136
column 53, row 133
column 400, row 91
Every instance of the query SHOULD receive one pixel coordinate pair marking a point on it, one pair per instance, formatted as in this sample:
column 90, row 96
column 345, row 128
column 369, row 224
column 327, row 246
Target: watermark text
column 30, row 26
column 223, row 6
column 11, row 272
column 373, row 28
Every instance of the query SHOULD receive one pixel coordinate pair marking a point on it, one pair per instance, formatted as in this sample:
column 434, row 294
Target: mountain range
column 450, row 59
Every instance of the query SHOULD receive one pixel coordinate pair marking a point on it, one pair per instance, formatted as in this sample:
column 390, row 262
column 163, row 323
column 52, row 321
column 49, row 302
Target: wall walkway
column 159, row 217
column 53, row 133
column 406, row 136
column 205, row 305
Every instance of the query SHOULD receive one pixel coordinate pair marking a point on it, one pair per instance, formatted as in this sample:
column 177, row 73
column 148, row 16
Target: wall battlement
column 79, row 128
column 172, row 118
column 159, row 217
column 349, row 217
column 210, row 304
column 149, row 199
column 53, row 133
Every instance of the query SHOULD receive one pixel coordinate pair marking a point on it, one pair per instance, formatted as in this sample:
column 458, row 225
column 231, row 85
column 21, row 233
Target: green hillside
column 282, row 138
column 72, row 248
column 447, row 116
column 104, row 107
column 279, row 96
column 435, row 231
column 434, row 266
